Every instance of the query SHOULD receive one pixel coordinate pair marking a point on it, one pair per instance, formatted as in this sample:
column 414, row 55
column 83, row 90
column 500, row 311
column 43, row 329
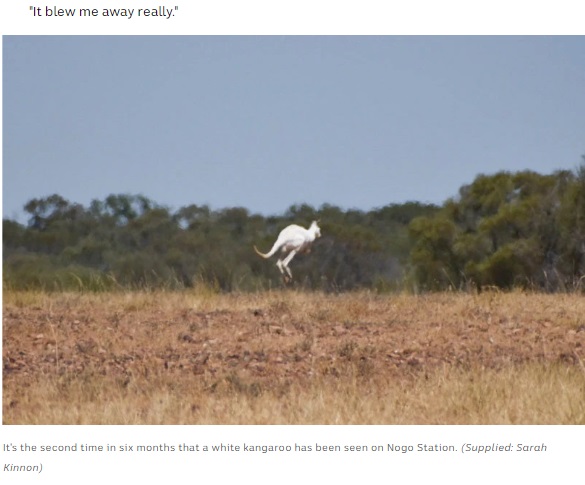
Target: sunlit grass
column 529, row 394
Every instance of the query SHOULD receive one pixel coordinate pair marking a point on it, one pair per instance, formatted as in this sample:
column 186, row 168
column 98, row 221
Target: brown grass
column 289, row 357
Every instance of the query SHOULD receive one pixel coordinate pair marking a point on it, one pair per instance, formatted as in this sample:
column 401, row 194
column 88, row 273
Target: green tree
column 506, row 230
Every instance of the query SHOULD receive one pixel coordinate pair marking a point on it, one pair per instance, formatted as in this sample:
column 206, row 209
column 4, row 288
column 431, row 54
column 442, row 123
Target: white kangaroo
column 292, row 239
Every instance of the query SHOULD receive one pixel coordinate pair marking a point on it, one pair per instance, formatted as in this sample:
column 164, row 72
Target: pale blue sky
column 267, row 122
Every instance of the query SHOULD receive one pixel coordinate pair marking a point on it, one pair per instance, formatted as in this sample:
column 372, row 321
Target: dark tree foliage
column 129, row 241
column 506, row 230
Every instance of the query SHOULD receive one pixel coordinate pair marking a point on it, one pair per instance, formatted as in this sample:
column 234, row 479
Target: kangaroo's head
column 316, row 229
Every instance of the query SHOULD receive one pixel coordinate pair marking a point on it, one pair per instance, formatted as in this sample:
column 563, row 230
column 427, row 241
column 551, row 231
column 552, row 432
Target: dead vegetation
column 289, row 357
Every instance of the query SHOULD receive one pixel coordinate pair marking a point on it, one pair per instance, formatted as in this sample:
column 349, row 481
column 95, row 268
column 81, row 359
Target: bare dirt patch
column 274, row 345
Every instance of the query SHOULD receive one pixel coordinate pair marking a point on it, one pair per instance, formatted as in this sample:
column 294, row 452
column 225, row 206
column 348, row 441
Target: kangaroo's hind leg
column 283, row 271
column 281, row 267
column 286, row 262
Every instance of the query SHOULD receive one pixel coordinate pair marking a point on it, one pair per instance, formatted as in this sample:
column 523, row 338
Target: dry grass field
column 292, row 357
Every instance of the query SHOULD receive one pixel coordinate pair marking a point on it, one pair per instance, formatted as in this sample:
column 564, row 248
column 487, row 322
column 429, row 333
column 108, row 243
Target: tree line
column 504, row 230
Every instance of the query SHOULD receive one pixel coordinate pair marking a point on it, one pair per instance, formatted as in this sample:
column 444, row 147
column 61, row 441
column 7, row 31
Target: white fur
column 292, row 239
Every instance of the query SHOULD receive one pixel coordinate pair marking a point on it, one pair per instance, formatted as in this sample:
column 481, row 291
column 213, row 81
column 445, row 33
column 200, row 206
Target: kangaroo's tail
column 265, row 256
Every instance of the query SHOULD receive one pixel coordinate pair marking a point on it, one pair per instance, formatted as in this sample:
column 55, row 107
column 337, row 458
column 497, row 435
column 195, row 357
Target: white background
column 562, row 460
